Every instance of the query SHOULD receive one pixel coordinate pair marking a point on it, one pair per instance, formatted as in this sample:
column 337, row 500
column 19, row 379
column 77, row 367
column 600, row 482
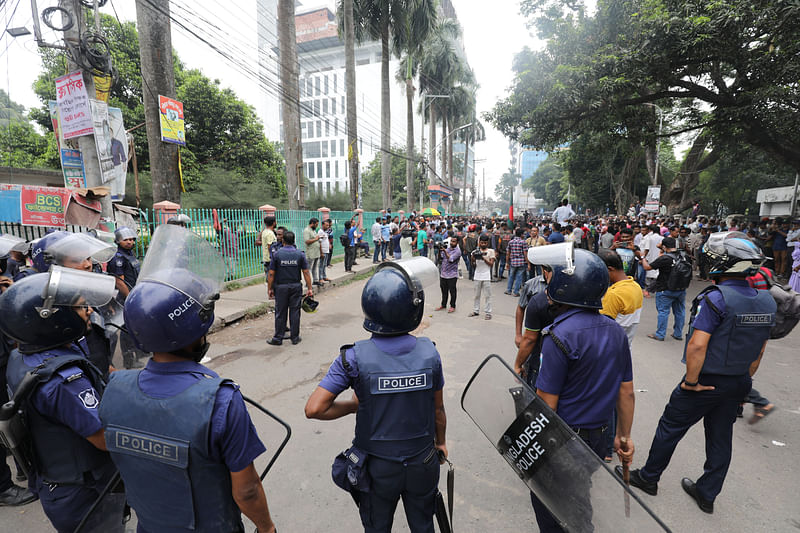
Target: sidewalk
column 233, row 305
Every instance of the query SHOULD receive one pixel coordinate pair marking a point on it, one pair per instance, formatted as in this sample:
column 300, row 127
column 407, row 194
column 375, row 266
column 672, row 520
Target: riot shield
column 575, row 485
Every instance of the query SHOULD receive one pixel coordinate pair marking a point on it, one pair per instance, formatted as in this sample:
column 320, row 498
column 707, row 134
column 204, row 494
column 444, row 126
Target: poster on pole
column 73, row 169
column 101, row 128
column 172, row 125
column 653, row 198
column 73, row 104
column 119, row 154
column 33, row 206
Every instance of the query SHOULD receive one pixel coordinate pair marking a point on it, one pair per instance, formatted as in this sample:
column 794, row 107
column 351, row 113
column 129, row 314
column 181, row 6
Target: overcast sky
column 491, row 37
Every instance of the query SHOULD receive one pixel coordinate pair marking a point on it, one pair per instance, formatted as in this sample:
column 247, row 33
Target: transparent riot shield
column 575, row 485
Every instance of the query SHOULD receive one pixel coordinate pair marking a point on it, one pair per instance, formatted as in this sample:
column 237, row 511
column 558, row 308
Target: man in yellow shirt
column 623, row 300
column 623, row 303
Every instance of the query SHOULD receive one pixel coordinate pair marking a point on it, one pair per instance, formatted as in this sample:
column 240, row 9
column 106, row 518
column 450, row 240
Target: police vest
column 395, row 415
column 129, row 264
column 161, row 447
column 288, row 265
column 737, row 341
column 60, row 455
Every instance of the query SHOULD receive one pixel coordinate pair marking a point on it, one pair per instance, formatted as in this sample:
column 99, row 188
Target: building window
column 333, row 148
column 346, row 170
column 341, row 147
column 327, row 128
column 312, row 149
column 328, row 188
column 324, row 149
column 362, row 61
column 316, row 86
column 309, row 87
column 319, row 189
column 326, row 85
column 335, row 80
column 311, row 174
column 333, row 106
column 336, row 186
column 336, row 168
column 327, row 169
column 336, row 126
column 344, row 109
column 319, row 128
column 316, row 108
column 319, row 169
column 325, row 106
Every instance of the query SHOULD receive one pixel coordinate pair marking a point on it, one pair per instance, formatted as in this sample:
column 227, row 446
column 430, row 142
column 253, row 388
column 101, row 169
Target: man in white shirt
column 563, row 212
column 325, row 245
column 650, row 249
column 376, row 240
column 483, row 259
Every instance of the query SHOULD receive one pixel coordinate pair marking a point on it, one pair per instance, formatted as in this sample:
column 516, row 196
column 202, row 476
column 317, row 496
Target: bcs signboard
column 33, row 206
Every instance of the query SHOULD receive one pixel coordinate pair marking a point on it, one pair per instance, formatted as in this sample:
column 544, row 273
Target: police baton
column 278, row 420
column 626, row 477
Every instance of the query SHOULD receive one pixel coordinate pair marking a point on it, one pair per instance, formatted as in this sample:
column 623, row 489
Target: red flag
column 511, row 212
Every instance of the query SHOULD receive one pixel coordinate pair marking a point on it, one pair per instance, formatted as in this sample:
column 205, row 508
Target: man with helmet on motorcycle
column 397, row 382
column 586, row 368
column 179, row 434
column 125, row 268
column 47, row 314
column 729, row 329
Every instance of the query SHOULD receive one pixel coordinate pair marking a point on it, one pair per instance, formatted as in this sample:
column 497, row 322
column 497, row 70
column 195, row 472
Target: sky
column 491, row 38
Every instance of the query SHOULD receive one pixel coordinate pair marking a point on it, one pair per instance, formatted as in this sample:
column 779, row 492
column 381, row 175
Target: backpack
column 787, row 315
column 344, row 239
column 681, row 273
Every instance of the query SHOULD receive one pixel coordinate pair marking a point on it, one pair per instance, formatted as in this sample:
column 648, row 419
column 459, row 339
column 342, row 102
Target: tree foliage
column 371, row 180
column 222, row 131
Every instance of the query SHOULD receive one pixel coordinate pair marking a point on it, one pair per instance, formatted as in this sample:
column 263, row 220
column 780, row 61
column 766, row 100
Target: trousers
column 486, row 287
column 349, row 258
column 717, row 408
column 448, row 286
column 288, row 297
column 415, row 481
column 666, row 300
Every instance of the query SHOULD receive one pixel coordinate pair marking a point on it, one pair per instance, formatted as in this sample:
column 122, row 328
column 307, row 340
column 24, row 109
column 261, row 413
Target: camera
column 477, row 252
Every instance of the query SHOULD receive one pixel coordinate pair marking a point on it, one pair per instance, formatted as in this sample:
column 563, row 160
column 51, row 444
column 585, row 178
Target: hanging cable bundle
column 94, row 47
column 66, row 18
column 90, row 3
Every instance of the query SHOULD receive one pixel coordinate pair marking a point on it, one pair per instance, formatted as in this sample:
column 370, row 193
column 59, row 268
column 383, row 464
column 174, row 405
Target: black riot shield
column 575, row 485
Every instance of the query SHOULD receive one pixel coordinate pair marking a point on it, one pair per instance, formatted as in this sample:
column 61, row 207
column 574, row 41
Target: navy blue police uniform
column 177, row 468
column 585, row 359
column 126, row 264
column 395, row 379
column 739, row 319
column 288, row 264
column 69, row 472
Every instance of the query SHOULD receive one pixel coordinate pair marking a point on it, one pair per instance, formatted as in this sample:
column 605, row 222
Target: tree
column 10, row 111
column 23, row 147
column 372, row 180
column 222, row 130
column 290, row 103
column 508, row 181
column 346, row 16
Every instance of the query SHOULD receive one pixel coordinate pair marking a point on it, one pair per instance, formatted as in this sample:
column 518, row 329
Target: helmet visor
column 69, row 287
column 553, row 255
column 11, row 243
column 78, row 247
column 421, row 272
column 124, row 233
column 175, row 249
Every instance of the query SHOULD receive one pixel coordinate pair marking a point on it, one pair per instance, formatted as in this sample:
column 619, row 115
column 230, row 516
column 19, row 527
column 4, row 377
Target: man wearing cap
column 667, row 299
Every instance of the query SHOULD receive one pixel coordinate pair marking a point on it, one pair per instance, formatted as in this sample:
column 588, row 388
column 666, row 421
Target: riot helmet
column 309, row 305
column 180, row 220
column 11, row 243
column 123, row 233
column 172, row 304
column 79, row 250
column 41, row 311
column 580, row 278
column 38, row 248
column 732, row 253
column 393, row 299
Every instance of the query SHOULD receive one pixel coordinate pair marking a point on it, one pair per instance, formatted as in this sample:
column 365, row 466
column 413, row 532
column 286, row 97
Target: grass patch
column 257, row 311
column 240, row 284
column 357, row 277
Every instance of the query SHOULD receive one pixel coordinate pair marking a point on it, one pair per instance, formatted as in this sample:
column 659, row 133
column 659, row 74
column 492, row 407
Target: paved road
column 760, row 493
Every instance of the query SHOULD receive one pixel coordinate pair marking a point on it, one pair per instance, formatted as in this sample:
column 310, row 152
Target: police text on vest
column 402, row 383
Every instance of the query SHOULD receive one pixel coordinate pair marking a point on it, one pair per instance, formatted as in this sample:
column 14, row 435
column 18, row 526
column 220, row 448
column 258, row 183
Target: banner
column 33, row 206
column 73, row 169
column 653, row 198
column 73, row 103
column 102, row 139
column 119, row 154
column 172, row 125
column 54, row 120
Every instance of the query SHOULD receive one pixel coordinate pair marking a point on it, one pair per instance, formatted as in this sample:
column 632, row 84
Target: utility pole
column 292, row 141
column 350, row 85
column 158, row 77
column 86, row 143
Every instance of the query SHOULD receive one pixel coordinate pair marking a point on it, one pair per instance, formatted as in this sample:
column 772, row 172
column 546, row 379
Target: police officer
column 586, row 365
column 729, row 329
column 79, row 251
column 180, row 220
column 10, row 494
column 10, row 247
column 47, row 314
column 125, row 266
column 38, row 261
column 180, row 435
column 284, row 285
column 397, row 382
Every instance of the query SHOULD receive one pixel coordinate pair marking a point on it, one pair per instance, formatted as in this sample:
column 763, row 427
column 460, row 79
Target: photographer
column 449, row 256
column 483, row 258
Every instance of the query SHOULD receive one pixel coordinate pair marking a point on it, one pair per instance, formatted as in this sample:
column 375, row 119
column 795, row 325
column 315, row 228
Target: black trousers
column 288, row 297
column 349, row 257
column 448, row 286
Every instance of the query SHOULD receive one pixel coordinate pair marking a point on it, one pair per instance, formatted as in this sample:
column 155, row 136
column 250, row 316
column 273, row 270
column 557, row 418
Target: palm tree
column 350, row 82
column 420, row 20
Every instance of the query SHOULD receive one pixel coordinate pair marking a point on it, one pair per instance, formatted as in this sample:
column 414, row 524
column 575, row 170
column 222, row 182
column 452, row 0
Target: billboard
column 172, row 125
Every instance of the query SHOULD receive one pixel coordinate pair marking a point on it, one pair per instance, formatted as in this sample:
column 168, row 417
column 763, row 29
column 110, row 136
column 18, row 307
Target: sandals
column 441, row 307
column 488, row 316
column 451, row 310
column 654, row 337
column 473, row 314
column 760, row 413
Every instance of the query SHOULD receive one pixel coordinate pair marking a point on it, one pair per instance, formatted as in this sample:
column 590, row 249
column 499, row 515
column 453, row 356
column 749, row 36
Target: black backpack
column 680, row 276
column 344, row 239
